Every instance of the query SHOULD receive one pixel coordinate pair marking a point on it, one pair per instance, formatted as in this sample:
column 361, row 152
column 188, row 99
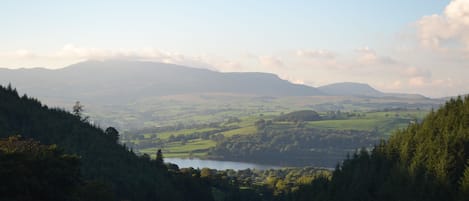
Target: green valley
column 206, row 140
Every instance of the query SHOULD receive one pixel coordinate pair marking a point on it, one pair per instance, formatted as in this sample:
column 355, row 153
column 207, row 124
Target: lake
column 214, row 164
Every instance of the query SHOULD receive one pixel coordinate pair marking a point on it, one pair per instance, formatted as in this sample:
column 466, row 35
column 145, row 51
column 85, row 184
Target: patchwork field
column 197, row 142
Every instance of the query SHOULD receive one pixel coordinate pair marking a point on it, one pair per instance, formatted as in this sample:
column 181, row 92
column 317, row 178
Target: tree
column 206, row 173
column 464, row 183
column 159, row 157
column 78, row 109
column 260, row 124
column 112, row 133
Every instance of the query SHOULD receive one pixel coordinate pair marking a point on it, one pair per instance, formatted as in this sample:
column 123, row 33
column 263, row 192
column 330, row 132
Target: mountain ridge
column 102, row 79
column 117, row 81
column 350, row 88
column 361, row 89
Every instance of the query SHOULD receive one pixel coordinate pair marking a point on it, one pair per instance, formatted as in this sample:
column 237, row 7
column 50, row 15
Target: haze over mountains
column 127, row 81
column 360, row 89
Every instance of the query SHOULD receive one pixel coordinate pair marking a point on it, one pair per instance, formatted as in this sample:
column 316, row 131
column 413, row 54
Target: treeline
column 427, row 161
column 273, row 183
column 296, row 146
column 31, row 171
column 257, row 185
column 310, row 115
column 179, row 126
column 302, row 115
column 155, row 141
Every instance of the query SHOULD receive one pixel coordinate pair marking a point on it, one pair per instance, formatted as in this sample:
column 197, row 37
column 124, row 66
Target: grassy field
column 166, row 135
column 192, row 148
column 382, row 122
column 248, row 130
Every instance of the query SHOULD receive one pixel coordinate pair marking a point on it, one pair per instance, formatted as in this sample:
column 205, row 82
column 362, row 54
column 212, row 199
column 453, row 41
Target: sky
column 409, row 46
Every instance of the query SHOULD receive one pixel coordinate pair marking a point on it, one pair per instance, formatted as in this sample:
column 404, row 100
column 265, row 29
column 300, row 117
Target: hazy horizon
column 400, row 46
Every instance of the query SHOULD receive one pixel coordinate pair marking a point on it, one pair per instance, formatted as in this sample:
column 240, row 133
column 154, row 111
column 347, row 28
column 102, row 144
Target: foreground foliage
column 103, row 163
column 31, row 171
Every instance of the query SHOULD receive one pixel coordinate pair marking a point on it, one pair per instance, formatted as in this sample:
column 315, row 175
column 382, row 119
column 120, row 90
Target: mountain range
column 119, row 81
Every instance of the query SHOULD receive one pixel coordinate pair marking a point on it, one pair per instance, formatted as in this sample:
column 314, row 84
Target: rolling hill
column 119, row 81
column 362, row 89
column 350, row 89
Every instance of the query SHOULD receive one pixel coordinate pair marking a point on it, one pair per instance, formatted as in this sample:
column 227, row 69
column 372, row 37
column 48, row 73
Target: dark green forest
column 51, row 154
column 95, row 159
column 299, row 146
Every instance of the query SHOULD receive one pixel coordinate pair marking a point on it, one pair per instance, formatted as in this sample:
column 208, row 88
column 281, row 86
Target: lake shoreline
column 218, row 164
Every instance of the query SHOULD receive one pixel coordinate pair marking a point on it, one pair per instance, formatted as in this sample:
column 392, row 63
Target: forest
column 91, row 158
column 296, row 147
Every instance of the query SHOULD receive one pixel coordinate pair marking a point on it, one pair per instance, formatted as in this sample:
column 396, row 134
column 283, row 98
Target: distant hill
column 361, row 89
column 117, row 81
column 134, row 94
column 350, row 89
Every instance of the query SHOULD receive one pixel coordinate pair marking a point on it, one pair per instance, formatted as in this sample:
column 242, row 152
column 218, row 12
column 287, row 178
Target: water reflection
column 214, row 164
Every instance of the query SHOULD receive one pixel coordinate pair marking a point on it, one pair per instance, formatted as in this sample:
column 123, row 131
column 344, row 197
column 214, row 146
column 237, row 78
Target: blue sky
column 310, row 42
column 207, row 26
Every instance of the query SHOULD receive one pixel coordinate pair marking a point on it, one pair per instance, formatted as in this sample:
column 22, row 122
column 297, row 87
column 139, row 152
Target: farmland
column 215, row 140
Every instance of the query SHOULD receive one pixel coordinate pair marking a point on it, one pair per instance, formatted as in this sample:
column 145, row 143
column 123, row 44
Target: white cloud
column 18, row 54
column 458, row 10
column 71, row 53
column 446, row 31
column 316, row 54
column 417, row 72
column 293, row 79
column 368, row 56
column 270, row 62
column 418, row 81
column 396, row 85
column 24, row 54
column 229, row 66
column 76, row 52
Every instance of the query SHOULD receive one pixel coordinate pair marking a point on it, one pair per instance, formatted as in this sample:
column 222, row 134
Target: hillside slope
column 102, row 159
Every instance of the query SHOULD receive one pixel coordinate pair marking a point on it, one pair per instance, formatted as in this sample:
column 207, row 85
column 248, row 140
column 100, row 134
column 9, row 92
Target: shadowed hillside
column 102, row 159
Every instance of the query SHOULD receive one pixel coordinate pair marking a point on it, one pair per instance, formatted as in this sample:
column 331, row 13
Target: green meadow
column 383, row 123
